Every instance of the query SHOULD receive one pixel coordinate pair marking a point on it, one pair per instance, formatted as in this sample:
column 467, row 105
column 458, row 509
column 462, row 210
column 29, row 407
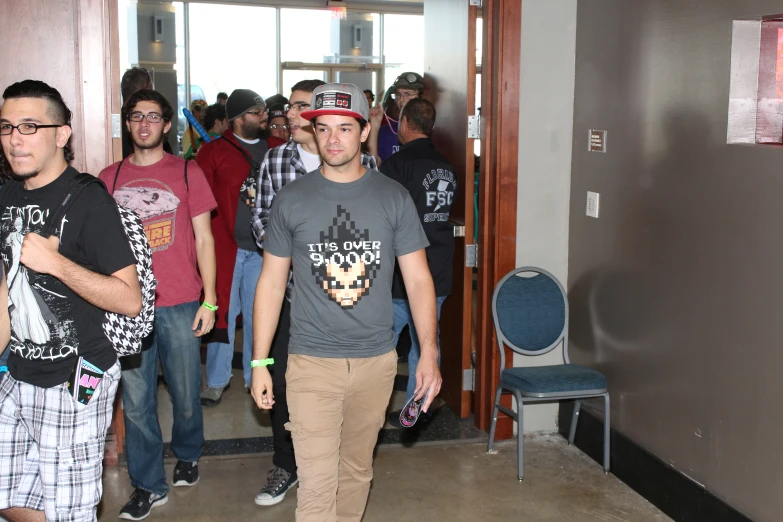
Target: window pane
column 479, row 39
column 403, row 44
column 291, row 78
column 306, row 35
column 232, row 47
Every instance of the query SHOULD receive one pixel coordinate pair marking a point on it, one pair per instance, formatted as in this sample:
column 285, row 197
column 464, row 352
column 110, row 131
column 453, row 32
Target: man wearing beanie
column 341, row 227
column 281, row 166
column 231, row 165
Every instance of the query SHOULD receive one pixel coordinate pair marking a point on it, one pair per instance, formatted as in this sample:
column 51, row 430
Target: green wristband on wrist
column 210, row 307
column 261, row 362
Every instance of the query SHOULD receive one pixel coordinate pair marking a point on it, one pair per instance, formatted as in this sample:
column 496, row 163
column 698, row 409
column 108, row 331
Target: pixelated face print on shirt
column 346, row 261
column 156, row 205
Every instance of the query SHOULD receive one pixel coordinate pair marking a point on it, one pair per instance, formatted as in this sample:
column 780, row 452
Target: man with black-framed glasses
column 174, row 201
column 133, row 80
column 56, row 292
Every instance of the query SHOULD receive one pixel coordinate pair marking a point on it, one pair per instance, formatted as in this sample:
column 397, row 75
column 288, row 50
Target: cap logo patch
column 333, row 100
column 258, row 100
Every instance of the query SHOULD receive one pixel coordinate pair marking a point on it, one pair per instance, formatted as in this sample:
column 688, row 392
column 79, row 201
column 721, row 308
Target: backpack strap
column 187, row 186
column 253, row 163
column 116, row 175
column 79, row 183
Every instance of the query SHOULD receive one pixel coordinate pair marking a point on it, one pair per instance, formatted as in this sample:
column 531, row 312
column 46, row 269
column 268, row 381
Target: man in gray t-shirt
column 342, row 227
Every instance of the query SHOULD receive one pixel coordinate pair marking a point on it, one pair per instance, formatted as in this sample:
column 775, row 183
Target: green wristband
column 261, row 362
column 211, row 308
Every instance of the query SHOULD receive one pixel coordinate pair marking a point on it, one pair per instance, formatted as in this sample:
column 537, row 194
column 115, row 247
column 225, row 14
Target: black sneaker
column 140, row 504
column 278, row 481
column 185, row 473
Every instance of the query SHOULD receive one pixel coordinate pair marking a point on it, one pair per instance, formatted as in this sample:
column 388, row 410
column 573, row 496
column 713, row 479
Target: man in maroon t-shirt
column 174, row 202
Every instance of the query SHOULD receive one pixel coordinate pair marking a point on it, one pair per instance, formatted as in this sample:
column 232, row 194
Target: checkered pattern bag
column 126, row 333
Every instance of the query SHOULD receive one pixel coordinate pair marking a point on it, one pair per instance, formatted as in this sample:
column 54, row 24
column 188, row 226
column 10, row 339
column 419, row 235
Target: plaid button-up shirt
column 281, row 165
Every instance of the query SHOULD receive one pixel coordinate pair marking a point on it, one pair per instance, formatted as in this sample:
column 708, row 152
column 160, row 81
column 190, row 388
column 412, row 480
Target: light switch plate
column 593, row 204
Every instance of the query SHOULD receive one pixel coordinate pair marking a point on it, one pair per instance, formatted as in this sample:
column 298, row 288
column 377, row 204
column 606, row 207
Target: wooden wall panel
column 73, row 46
column 64, row 43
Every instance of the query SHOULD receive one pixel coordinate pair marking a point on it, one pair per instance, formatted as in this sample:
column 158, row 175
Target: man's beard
column 148, row 145
column 25, row 175
column 19, row 176
column 250, row 130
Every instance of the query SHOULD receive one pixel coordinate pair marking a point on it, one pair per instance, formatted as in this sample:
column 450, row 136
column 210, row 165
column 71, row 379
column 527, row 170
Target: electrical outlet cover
column 593, row 204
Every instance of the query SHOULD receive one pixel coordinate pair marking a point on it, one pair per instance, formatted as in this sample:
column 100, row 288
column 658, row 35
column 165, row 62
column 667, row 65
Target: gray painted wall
column 546, row 113
column 676, row 289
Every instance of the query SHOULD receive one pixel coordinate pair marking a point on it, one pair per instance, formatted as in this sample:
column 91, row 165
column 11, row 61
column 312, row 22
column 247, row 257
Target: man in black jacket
column 432, row 183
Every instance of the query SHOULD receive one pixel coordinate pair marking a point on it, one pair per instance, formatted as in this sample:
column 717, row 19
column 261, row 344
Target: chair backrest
column 530, row 311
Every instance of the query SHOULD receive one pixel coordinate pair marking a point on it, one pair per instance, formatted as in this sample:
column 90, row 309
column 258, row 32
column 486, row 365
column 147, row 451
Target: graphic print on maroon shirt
column 156, row 205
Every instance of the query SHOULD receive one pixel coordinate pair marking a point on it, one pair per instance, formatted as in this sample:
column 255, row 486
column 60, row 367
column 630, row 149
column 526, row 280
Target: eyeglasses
column 405, row 95
column 257, row 112
column 152, row 117
column 277, row 126
column 298, row 106
column 24, row 128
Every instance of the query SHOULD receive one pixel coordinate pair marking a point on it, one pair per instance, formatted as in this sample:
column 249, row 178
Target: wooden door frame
column 498, row 192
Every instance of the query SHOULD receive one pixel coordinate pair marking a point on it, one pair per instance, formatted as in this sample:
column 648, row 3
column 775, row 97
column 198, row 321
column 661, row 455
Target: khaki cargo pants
column 337, row 407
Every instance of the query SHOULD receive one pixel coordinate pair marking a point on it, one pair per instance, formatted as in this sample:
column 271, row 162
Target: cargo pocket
column 79, row 468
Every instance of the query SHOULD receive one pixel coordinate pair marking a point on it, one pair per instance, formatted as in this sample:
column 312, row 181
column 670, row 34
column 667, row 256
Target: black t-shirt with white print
column 50, row 324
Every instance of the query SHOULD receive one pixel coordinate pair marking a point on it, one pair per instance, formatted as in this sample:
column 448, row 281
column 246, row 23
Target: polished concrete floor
column 427, row 482
column 438, row 473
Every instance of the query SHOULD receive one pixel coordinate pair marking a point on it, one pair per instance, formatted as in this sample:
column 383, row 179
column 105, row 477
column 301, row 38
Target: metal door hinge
column 471, row 256
column 467, row 380
column 474, row 126
column 116, row 126
column 475, row 2
column 459, row 230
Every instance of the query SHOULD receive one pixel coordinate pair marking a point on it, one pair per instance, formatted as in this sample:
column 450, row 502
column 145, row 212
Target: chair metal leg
column 607, row 432
column 574, row 420
column 494, row 422
column 520, row 437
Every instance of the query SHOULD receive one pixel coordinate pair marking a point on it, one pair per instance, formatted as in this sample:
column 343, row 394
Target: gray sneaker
column 278, row 481
column 212, row 396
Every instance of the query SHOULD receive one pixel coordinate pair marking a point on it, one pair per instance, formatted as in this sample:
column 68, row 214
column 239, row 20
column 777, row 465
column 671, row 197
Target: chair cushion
column 561, row 378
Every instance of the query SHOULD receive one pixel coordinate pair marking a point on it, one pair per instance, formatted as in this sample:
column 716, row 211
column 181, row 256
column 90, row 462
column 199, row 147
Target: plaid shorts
column 51, row 447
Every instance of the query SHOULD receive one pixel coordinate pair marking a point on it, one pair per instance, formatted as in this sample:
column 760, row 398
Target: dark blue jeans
column 403, row 316
column 172, row 342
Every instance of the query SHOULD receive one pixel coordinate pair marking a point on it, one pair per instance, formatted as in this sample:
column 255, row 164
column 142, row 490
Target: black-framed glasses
column 278, row 126
column 152, row 117
column 258, row 112
column 25, row 128
column 298, row 106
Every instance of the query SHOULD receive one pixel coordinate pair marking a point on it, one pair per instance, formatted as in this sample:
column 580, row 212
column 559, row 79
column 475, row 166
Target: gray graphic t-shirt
column 343, row 239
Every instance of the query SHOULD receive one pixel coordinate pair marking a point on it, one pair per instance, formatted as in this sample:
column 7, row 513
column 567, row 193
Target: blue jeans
column 172, row 341
column 247, row 270
column 402, row 316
